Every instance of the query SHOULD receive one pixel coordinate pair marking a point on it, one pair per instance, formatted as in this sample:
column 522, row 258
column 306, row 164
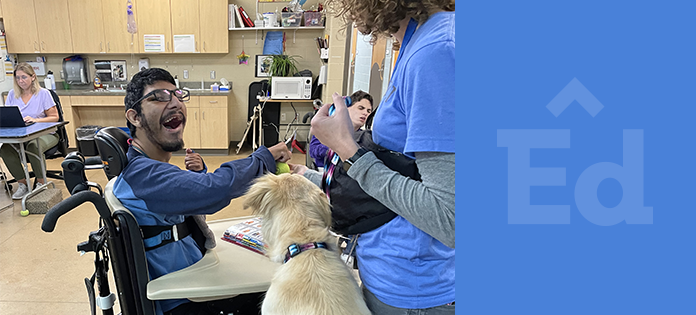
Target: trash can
column 85, row 140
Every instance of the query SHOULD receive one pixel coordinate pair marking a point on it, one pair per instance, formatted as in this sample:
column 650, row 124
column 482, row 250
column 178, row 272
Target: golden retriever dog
column 315, row 281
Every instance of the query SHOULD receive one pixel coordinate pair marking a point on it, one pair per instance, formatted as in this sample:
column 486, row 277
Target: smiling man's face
column 163, row 122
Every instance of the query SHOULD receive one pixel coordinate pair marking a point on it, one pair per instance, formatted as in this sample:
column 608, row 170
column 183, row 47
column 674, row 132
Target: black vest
column 353, row 210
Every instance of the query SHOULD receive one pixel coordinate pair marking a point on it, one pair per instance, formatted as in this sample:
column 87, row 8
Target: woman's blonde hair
column 26, row 68
column 381, row 17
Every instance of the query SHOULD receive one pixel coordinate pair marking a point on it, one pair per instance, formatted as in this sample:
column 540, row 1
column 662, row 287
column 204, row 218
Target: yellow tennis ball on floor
column 282, row 168
column 24, row 213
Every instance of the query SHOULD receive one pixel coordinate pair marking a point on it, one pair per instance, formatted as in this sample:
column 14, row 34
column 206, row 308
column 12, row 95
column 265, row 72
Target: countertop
column 123, row 93
column 86, row 91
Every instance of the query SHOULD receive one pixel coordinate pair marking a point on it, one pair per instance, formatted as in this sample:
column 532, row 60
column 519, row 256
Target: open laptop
column 10, row 116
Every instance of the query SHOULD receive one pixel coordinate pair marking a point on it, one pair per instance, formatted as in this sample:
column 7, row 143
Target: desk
column 260, row 109
column 20, row 135
column 225, row 271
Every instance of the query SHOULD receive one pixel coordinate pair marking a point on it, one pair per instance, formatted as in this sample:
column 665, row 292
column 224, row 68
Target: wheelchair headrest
column 112, row 144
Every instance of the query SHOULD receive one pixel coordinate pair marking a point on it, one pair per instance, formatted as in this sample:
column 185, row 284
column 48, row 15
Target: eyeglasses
column 163, row 95
column 23, row 78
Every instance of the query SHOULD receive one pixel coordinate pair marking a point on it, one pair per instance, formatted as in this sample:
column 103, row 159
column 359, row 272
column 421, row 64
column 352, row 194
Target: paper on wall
column 153, row 42
column 184, row 43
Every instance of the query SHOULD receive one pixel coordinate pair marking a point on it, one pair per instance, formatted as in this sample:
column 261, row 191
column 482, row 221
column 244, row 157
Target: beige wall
column 227, row 65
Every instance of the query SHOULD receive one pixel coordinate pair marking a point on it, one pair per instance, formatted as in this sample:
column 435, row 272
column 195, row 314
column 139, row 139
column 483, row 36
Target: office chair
column 60, row 150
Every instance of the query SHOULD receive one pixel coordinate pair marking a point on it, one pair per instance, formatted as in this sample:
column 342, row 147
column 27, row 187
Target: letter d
column 630, row 176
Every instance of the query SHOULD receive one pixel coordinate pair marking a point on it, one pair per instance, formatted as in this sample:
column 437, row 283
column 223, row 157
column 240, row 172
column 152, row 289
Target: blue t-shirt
column 159, row 193
column 403, row 266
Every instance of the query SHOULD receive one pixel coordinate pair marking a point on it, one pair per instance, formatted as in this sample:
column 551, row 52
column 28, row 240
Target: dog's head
column 293, row 210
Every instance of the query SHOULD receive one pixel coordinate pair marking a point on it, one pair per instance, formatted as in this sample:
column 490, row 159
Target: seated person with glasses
column 35, row 104
column 161, row 194
column 359, row 109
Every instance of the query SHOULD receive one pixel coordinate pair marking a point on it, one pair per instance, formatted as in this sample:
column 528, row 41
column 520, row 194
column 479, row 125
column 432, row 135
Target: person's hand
column 29, row 119
column 280, row 152
column 298, row 169
column 335, row 132
column 193, row 161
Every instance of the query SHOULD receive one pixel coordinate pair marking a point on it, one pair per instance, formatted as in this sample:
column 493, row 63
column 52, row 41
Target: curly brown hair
column 381, row 17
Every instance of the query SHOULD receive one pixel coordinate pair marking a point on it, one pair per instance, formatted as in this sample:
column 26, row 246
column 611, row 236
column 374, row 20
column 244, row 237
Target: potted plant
column 283, row 66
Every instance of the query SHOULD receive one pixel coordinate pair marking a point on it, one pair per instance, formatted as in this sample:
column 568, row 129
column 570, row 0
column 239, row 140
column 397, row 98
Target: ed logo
column 521, row 176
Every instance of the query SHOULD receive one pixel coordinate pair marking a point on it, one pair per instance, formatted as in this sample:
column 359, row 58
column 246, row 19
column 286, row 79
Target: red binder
column 247, row 21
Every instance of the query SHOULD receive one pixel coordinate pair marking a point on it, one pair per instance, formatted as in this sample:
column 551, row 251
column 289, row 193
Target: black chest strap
column 155, row 236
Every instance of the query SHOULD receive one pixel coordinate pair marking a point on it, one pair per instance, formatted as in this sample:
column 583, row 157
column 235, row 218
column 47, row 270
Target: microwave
column 291, row 87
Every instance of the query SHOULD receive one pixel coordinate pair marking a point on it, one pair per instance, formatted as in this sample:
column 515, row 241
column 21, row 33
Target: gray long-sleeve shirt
column 428, row 205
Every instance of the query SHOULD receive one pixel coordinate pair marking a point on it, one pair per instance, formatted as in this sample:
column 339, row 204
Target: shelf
column 293, row 28
column 262, row 99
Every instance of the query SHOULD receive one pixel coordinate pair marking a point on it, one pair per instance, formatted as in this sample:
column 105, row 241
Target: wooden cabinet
column 214, row 122
column 214, row 26
column 20, row 26
column 192, row 131
column 102, row 27
column 206, row 118
column 115, row 18
column 206, row 123
column 38, row 26
column 206, row 20
column 185, row 15
column 155, row 19
column 66, row 105
column 53, row 25
column 87, row 30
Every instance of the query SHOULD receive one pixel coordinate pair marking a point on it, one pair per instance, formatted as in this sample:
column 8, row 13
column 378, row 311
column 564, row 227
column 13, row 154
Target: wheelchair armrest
column 209, row 278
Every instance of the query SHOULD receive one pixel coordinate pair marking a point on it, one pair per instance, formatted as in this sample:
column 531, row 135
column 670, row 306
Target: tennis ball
column 24, row 213
column 282, row 168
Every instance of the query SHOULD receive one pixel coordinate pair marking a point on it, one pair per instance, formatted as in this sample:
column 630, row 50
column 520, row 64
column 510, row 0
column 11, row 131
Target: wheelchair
column 119, row 243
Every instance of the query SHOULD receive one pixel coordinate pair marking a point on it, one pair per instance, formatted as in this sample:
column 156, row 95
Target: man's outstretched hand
column 280, row 152
column 193, row 161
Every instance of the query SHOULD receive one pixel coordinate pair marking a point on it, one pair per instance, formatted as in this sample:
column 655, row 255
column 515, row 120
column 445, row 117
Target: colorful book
column 239, row 16
column 246, row 234
column 248, row 21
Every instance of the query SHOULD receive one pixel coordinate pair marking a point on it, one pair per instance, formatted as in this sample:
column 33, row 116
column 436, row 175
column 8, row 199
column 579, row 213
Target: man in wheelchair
column 160, row 195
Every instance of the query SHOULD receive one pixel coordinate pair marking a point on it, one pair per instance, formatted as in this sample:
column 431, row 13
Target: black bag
column 354, row 211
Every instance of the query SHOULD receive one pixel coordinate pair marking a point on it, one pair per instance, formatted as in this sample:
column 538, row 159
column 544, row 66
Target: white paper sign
column 184, row 43
column 153, row 42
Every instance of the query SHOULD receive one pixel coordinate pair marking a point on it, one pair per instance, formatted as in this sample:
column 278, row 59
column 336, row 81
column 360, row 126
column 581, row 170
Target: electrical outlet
column 282, row 117
column 212, row 74
column 185, row 74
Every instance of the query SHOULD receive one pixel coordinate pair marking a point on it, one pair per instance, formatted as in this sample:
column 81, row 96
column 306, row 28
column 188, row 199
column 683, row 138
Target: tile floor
column 42, row 273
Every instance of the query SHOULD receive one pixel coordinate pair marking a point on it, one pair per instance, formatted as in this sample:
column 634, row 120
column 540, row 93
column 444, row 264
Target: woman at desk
column 36, row 104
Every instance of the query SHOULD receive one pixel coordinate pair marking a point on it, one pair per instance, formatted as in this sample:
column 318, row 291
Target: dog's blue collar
column 296, row 249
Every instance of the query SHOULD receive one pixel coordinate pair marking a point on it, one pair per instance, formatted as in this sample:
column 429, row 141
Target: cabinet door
column 118, row 40
column 154, row 18
column 192, row 131
column 88, row 30
column 185, row 16
column 214, row 27
column 214, row 128
column 53, row 25
column 20, row 27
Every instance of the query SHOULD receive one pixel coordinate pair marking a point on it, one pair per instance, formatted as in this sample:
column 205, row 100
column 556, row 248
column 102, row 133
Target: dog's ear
column 319, row 199
column 255, row 197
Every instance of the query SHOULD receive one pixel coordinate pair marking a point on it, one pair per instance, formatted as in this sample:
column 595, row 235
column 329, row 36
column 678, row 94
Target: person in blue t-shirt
column 161, row 195
column 407, row 263
column 359, row 113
